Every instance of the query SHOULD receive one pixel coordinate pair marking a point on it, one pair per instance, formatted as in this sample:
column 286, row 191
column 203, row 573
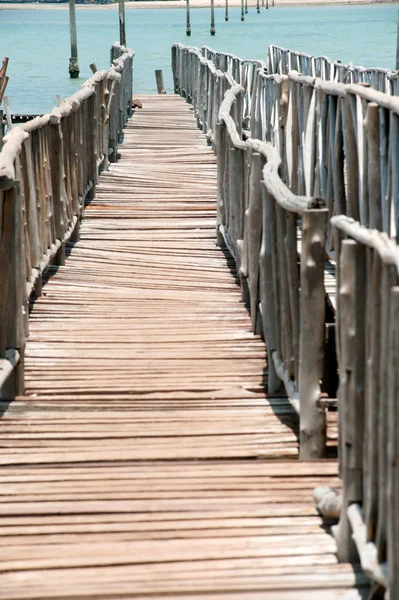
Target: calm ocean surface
column 37, row 42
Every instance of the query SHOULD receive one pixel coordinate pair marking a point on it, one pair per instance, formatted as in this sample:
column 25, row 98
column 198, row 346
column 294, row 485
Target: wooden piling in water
column 188, row 26
column 242, row 10
column 213, row 18
column 3, row 77
column 226, row 14
column 397, row 45
column 159, row 80
column 73, row 61
column 122, row 23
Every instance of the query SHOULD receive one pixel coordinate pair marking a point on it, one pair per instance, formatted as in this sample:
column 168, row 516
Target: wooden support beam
column 188, row 25
column 313, row 417
column 73, row 61
column 159, row 80
column 397, row 45
column 122, row 23
column 213, row 31
column 3, row 77
column 8, row 113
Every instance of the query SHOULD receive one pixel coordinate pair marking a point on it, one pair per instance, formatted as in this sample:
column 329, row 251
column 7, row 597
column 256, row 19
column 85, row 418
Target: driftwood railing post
column 397, row 45
column 13, row 289
column 352, row 305
column 393, row 443
column 313, row 415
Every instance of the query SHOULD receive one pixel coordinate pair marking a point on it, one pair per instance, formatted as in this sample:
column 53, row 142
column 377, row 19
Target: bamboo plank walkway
column 145, row 460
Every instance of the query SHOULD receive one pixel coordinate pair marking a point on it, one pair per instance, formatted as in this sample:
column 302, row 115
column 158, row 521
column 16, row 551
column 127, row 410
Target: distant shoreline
column 153, row 4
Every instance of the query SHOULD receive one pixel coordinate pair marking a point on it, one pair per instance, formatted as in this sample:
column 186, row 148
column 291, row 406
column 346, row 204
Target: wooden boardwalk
column 145, row 460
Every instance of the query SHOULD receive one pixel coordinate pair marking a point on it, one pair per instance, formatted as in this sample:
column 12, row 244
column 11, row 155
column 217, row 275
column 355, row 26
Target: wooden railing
column 228, row 67
column 49, row 167
column 339, row 142
column 287, row 306
column 368, row 357
column 282, row 60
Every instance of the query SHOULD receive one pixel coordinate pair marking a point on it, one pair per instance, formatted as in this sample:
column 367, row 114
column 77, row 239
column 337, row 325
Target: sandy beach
column 152, row 4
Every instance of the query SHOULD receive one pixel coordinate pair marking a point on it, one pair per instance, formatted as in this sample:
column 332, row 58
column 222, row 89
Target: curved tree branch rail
column 48, row 168
column 341, row 140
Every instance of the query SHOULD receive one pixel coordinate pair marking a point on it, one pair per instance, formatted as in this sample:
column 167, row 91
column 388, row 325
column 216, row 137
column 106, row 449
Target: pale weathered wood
column 73, row 61
column 313, row 423
column 352, row 385
column 392, row 462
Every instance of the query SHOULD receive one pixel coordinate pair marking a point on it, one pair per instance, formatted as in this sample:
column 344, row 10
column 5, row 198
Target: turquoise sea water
column 37, row 42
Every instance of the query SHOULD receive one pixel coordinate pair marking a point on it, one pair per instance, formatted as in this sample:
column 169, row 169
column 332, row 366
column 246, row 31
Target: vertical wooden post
column 73, row 61
column 17, row 285
column 226, row 14
column 212, row 17
column 397, row 45
column 122, row 23
column 188, row 26
column 159, row 80
column 221, row 150
column 267, row 287
column 1, row 128
column 242, row 10
column 257, row 6
column 312, row 307
column 246, row 7
column 352, row 305
column 393, row 443
column 253, row 236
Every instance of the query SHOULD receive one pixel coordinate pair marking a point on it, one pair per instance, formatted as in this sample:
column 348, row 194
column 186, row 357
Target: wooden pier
column 196, row 304
column 146, row 460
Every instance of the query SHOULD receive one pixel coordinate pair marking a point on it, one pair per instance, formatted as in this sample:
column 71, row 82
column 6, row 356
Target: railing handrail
column 281, row 192
column 385, row 247
column 12, row 142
